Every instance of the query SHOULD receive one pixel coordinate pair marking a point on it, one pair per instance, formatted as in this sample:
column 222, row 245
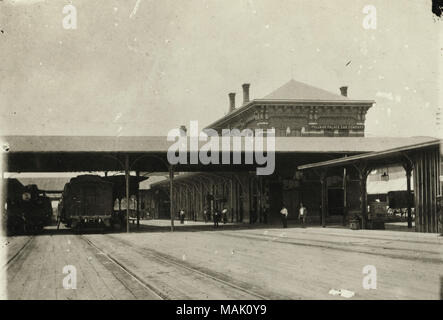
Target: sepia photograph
column 221, row 154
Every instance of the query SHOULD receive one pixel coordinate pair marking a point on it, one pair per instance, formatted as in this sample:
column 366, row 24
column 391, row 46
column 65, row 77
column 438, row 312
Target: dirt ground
column 231, row 262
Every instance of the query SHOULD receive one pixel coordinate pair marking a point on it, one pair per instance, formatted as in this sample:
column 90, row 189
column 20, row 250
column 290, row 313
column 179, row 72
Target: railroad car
column 27, row 210
column 87, row 203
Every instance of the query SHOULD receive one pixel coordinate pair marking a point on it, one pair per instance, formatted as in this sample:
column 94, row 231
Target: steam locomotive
column 27, row 210
column 87, row 203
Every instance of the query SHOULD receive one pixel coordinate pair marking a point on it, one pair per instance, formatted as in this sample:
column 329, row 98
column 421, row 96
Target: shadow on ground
column 146, row 226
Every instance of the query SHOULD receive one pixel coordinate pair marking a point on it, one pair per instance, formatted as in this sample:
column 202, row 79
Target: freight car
column 27, row 210
column 86, row 203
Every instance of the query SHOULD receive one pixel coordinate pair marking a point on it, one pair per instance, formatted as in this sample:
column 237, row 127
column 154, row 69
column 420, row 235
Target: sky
column 144, row 67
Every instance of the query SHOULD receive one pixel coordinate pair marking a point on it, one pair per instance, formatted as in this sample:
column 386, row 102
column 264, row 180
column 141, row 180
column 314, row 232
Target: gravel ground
column 232, row 262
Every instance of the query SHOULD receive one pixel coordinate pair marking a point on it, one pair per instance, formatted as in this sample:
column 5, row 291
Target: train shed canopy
column 106, row 153
column 422, row 161
column 375, row 158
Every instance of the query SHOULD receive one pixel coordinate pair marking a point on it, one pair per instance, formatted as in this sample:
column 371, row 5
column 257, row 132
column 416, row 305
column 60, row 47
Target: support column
column 171, row 193
column 3, row 195
column 204, row 205
column 127, row 190
column 363, row 172
column 409, row 194
column 247, row 201
column 345, row 202
column 259, row 199
column 232, row 199
column 137, row 197
column 323, row 197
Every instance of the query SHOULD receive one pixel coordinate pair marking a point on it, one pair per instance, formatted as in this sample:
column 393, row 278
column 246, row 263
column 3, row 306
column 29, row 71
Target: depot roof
column 78, row 154
column 150, row 144
column 377, row 155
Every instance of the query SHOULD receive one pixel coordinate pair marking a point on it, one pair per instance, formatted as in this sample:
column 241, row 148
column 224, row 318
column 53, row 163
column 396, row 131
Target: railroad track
column 345, row 247
column 151, row 290
column 18, row 253
column 202, row 272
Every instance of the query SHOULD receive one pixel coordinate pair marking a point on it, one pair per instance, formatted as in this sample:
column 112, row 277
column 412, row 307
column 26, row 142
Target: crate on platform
column 354, row 224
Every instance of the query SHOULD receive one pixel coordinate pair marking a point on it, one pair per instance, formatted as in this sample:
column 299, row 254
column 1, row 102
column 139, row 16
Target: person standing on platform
column 225, row 215
column 302, row 214
column 182, row 216
column 284, row 216
column 205, row 215
column 216, row 218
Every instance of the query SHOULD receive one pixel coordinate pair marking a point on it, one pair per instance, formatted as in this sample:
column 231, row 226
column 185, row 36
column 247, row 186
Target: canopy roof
column 84, row 153
column 383, row 157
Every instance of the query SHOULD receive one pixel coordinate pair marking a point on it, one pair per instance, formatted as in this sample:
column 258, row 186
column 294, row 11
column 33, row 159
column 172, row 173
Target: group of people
column 217, row 216
column 302, row 215
column 223, row 215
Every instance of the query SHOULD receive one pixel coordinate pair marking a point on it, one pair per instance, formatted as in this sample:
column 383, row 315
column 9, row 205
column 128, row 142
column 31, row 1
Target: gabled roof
column 295, row 90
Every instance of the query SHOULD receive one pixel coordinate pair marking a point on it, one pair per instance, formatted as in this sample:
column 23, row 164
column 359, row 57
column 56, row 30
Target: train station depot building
column 317, row 126
column 321, row 159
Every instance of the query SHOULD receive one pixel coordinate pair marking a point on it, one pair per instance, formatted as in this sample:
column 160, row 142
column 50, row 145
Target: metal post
column 363, row 194
column 323, row 199
column 232, row 199
column 3, row 195
column 127, row 191
column 259, row 199
column 408, row 184
column 171, row 209
column 137, row 195
column 345, row 204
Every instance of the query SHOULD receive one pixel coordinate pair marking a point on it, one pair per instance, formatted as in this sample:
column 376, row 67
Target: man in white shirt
column 182, row 216
column 302, row 214
column 216, row 218
column 225, row 215
column 284, row 216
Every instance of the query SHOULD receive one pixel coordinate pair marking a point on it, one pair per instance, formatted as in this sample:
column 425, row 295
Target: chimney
column 245, row 93
column 344, row 91
column 231, row 101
